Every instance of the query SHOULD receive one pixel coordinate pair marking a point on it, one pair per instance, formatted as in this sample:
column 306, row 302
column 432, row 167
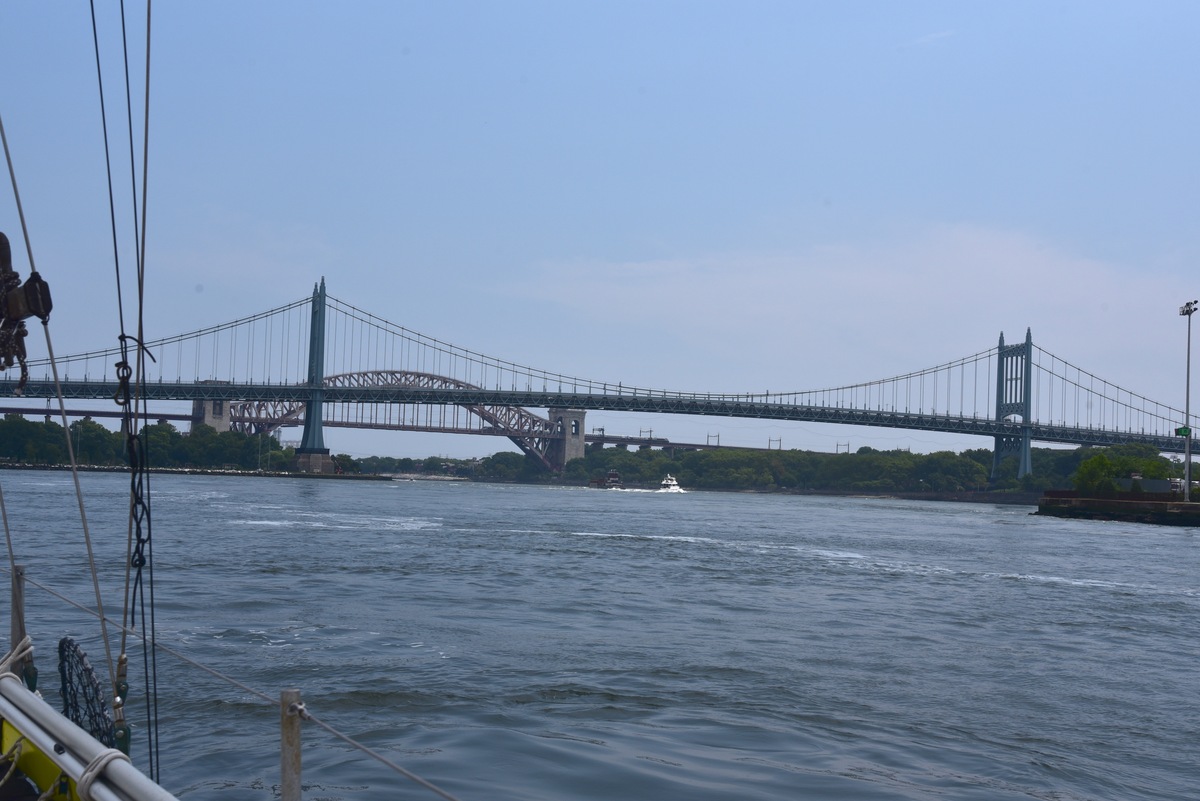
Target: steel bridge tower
column 1014, row 396
column 312, row 456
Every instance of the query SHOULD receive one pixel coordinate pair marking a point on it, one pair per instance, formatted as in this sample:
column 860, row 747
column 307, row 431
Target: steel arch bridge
column 533, row 434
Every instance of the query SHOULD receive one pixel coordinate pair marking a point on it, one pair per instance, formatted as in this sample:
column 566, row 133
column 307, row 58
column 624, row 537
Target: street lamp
column 1187, row 310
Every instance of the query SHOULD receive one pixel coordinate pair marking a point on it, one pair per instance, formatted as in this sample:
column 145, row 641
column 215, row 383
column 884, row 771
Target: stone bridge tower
column 571, row 446
column 211, row 412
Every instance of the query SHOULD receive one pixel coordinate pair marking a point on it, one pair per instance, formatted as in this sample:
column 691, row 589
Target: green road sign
column 1183, row 431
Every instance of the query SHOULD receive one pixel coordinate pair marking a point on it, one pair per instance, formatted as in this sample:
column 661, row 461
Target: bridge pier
column 572, row 444
column 213, row 413
column 315, row 462
column 1013, row 446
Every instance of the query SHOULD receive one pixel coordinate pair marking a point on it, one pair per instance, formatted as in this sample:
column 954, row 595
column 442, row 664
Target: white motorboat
column 669, row 484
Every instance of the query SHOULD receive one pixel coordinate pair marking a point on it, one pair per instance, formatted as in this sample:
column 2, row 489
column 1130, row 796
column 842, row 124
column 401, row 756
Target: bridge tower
column 1014, row 394
column 312, row 456
column 213, row 413
column 571, row 446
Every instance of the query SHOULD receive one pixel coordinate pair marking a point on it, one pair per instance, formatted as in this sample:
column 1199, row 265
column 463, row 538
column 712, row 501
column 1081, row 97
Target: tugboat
column 611, row 481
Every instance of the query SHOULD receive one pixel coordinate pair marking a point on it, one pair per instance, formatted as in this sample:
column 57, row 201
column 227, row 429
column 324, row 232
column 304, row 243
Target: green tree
column 949, row 472
column 23, row 440
column 1142, row 459
column 345, row 463
column 96, row 445
column 161, row 442
column 1096, row 476
column 504, row 466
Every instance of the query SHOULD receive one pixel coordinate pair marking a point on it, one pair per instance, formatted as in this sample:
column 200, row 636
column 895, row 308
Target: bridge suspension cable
column 213, row 353
column 1074, row 396
column 270, row 350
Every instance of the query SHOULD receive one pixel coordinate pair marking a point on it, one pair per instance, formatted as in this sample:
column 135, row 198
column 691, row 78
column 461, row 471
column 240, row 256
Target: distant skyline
column 698, row 196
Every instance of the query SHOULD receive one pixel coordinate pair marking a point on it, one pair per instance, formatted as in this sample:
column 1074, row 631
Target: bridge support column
column 213, row 413
column 1014, row 398
column 1013, row 446
column 571, row 445
column 312, row 456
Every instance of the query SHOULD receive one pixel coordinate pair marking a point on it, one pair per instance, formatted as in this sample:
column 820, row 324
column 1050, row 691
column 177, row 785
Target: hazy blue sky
column 690, row 195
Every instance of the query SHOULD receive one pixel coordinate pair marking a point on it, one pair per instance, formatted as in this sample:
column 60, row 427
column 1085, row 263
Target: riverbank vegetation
column 44, row 443
column 868, row 470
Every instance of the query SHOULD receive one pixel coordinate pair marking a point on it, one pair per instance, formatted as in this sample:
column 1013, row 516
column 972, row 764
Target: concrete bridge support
column 212, row 412
column 571, row 446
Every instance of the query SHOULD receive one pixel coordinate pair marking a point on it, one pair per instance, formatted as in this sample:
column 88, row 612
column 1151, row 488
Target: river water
column 510, row 642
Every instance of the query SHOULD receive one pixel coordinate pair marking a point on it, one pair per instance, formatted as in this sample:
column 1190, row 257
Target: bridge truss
column 532, row 433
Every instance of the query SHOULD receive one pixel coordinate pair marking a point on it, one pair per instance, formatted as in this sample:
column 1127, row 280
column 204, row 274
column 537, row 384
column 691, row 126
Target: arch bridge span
column 548, row 439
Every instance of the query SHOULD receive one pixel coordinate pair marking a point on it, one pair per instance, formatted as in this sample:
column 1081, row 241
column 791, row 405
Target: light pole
column 1187, row 310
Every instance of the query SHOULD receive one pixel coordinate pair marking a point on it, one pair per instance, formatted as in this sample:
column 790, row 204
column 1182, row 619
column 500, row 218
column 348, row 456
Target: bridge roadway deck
column 751, row 406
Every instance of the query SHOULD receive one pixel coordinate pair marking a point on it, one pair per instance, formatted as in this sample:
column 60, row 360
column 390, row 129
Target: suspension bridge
column 320, row 362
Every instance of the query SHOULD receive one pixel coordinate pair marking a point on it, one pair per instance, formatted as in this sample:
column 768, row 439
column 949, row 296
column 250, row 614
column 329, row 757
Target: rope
column 12, row 174
column 22, row 650
column 87, row 535
column 97, row 766
column 11, row 756
column 112, row 206
column 83, row 787
column 54, row 788
column 58, row 391
column 12, row 557
column 378, row 757
column 300, row 710
column 138, row 544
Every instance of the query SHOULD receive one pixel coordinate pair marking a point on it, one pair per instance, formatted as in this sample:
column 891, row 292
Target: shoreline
column 1153, row 511
column 195, row 471
column 1003, row 498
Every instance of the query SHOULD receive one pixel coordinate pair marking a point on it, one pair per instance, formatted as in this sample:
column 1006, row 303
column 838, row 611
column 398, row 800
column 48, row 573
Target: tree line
column 24, row 441
column 866, row 471
column 1090, row 470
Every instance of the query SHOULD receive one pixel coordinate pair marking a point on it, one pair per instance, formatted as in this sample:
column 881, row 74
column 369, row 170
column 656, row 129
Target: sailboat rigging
column 84, row 752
